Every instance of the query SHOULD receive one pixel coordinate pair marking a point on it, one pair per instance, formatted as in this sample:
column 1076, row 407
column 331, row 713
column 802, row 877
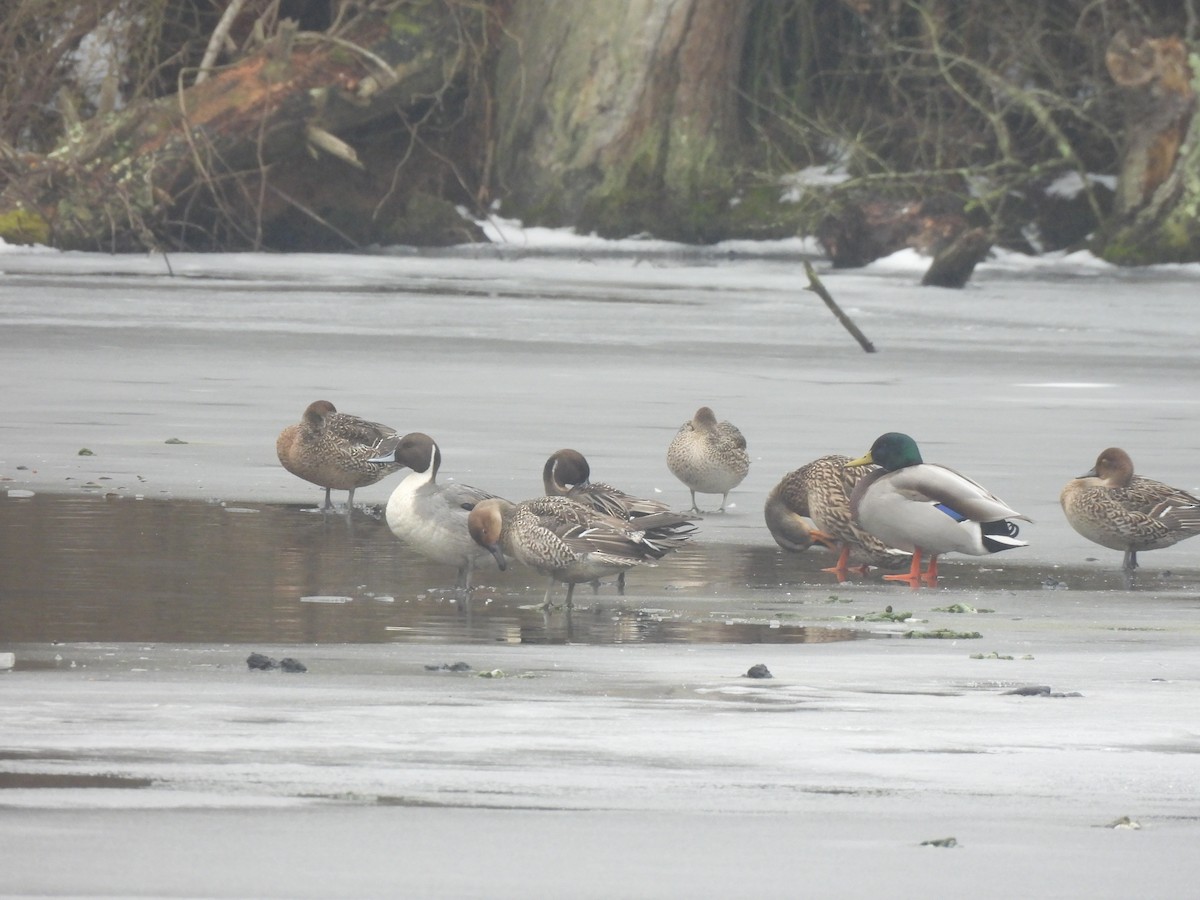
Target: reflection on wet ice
column 82, row 568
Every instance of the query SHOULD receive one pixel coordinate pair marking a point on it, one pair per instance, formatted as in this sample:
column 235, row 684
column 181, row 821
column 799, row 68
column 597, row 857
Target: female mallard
column 570, row 542
column 928, row 509
column 812, row 505
column 335, row 450
column 1110, row 505
column 708, row 456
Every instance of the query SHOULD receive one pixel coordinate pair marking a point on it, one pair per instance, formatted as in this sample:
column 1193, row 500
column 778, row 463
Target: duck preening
column 567, row 474
column 570, row 542
column 337, row 451
column 812, row 505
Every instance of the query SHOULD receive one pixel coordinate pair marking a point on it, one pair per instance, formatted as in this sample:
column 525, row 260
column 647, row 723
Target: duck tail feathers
column 1000, row 535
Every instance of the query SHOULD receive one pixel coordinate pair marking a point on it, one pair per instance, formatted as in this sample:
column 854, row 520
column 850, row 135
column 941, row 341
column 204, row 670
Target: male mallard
column 1110, row 505
column 430, row 517
column 335, row 450
column 570, row 542
column 928, row 509
column 812, row 505
column 708, row 456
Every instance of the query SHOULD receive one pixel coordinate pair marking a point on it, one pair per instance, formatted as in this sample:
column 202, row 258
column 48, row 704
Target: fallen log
column 209, row 164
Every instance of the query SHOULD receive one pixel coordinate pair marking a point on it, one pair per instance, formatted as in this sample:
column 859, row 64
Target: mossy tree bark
column 265, row 147
column 622, row 116
column 1157, row 215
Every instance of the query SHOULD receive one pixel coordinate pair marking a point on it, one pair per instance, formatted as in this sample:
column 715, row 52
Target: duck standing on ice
column 1117, row 509
column 928, row 509
column 708, row 456
column 430, row 517
column 336, row 451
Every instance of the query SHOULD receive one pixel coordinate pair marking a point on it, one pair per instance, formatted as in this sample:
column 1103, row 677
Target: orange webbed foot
column 913, row 577
column 839, row 568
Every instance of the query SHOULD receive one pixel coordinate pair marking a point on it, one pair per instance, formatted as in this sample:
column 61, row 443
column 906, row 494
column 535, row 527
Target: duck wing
column 933, row 483
column 728, row 434
column 378, row 437
column 463, row 496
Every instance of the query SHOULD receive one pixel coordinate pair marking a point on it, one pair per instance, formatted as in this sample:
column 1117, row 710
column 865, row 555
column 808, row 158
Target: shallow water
column 85, row 568
column 94, row 568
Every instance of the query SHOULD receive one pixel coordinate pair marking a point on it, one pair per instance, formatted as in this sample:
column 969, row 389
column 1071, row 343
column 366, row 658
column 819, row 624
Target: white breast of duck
column 432, row 517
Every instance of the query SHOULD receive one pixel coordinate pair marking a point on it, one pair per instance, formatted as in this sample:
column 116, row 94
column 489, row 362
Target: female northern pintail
column 336, row 451
column 570, row 542
column 1110, row 505
column 430, row 517
column 928, row 509
column 812, row 505
column 708, row 456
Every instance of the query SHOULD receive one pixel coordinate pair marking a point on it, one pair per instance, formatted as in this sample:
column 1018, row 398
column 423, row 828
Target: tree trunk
column 622, row 116
column 252, row 150
column 1158, row 188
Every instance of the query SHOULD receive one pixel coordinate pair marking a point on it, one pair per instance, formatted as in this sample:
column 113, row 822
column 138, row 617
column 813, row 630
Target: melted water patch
column 84, row 568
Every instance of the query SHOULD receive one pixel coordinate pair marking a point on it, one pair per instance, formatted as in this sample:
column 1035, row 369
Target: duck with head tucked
column 431, row 517
column 1115, row 508
column 928, row 509
column 708, row 456
column 336, row 451
column 567, row 474
column 812, row 505
column 570, row 542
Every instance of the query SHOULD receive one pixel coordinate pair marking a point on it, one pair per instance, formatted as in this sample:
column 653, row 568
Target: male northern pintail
column 928, row 509
column 567, row 474
column 335, row 450
column 431, row 517
column 812, row 505
column 1117, row 509
column 570, row 542
column 708, row 456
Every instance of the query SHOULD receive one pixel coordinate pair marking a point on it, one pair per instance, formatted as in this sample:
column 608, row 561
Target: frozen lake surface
column 620, row 751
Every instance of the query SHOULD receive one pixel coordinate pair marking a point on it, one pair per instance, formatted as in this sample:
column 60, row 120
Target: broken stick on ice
column 814, row 285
